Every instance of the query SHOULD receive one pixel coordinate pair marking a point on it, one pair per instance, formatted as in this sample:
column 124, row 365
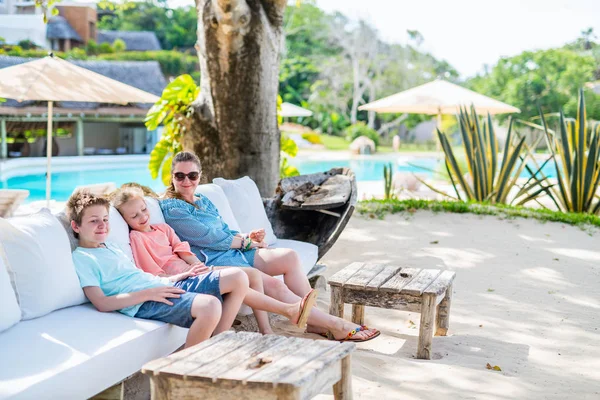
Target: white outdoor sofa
column 59, row 346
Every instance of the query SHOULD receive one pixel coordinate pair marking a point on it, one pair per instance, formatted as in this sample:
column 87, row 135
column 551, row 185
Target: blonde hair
column 125, row 194
column 79, row 201
column 182, row 156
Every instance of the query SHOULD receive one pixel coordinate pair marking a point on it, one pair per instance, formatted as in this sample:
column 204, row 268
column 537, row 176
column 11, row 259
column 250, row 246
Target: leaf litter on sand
column 494, row 368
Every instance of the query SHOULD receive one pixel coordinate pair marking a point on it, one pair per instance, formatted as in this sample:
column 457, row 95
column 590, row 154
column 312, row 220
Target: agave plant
column 487, row 178
column 575, row 149
column 387, row 181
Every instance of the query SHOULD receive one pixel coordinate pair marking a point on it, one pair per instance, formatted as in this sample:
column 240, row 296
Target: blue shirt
column 113, row 272
column 203, row 228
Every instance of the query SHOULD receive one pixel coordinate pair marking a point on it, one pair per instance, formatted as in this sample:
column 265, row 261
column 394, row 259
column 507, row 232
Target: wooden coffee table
column 428, row 291
column 252, row 366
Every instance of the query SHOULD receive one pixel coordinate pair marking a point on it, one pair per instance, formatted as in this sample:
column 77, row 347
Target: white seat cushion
column 308, row 252
column 10, row 312
column 247, row 206
column 77, row 352
column 156, row 215
column 217, row 196
column 39, row 256
column 119, row 232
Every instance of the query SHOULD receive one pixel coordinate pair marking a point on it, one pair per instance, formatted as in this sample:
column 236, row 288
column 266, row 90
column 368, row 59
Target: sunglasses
column 192, row 176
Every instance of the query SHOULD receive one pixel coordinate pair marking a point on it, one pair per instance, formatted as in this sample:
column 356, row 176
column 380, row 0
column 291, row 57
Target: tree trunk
column 234, row 125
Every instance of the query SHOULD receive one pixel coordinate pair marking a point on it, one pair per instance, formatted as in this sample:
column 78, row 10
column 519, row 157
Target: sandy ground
column 526, row 298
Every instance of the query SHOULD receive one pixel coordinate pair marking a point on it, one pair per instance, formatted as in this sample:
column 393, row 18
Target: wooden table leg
column 343, row 389
column 442, row 319
column 426, row 328
column 336, row 305
column 358, row 314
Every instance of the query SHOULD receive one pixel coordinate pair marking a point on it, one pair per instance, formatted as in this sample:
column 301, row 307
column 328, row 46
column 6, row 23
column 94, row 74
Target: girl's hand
column 198, row 268
column 163, row 293
column 257, row 235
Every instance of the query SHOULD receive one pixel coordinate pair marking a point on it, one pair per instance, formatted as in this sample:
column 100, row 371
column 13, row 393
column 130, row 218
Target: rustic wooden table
column 252, row 366
column 428, row 291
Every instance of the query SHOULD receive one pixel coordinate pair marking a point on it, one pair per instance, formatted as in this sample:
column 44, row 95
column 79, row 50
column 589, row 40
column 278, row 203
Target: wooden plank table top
column 244, row 361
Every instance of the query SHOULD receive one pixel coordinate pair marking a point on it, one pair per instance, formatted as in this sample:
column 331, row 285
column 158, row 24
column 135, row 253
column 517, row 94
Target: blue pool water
column 63, row 183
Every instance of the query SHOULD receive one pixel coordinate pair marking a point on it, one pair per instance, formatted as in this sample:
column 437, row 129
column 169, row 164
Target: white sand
column 526, row 298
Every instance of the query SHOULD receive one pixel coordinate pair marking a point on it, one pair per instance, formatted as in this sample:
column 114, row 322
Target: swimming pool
column 71, row 172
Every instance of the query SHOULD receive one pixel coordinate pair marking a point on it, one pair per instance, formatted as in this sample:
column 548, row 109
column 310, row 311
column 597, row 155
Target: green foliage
column 287, row 147
column 334, row 142
column 548, row 77
column 388, row 172
column 91, row 48
column 488, row 179
column 27, row 44
column 361, row 129
column 175, row 28
column 172, row 63
column 379, row 208
column 105, row 48
column 312, row 137
column 119, row 45
column 76, row 53
column 575, row 150
column 172, row 110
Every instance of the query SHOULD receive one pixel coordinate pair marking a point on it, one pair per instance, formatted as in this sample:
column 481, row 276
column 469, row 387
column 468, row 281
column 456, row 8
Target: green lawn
column 339, row 143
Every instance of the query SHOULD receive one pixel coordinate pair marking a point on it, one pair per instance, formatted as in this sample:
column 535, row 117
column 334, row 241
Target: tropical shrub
column 119, row 45
column 312, row 137
column 172, row 110
column 575, row 149
column 287, row 148
column 486, row 178
column 361, row 129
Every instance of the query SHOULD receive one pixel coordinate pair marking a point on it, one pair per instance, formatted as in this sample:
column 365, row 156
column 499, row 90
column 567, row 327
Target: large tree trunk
column 234, row 126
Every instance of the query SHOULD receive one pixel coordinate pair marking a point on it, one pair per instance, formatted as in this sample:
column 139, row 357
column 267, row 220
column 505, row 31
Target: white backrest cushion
column 156, row 215
column 247, row 206
column 217, row 196
column 39, row 256
column 10, row 313
column 118, row 232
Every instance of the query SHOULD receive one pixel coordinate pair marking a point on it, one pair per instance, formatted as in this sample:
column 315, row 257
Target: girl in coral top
column 157, row 250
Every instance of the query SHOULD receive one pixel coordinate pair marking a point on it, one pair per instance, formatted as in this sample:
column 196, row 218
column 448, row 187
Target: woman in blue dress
column 196, row 220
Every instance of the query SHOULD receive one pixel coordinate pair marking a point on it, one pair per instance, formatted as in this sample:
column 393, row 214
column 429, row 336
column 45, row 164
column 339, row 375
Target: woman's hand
column 259, row 245
column 162, row 294
column 257, row 235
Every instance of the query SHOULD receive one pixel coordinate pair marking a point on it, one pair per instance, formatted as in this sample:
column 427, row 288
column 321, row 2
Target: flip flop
column 306, row 306
column 350, row 336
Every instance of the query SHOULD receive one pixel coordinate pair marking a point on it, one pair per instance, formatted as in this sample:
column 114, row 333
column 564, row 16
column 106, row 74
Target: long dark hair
column 182, row 156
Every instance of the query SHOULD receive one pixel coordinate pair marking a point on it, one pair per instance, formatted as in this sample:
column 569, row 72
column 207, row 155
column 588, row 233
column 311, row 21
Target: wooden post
column 79, row 136
column 159, row 388
column 358, row 314
column 4, row 145
column 426, row 328
column 442, row 318
column 336, row 305
column 343, row 389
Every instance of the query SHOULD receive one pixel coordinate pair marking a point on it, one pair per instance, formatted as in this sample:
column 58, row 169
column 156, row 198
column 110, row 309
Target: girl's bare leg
column 234, row 283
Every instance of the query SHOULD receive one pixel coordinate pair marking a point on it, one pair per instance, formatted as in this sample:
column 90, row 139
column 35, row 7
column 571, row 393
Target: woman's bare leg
column 284, row 262
column 337, row 326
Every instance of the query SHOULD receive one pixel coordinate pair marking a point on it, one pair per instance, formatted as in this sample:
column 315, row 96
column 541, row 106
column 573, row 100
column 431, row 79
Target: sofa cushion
column 11, row 313
column 118, row 233
column 39, row 255
column 156, row 215
column 247, row 206
column 217, row 196
column 308, row 252
column 77, row 352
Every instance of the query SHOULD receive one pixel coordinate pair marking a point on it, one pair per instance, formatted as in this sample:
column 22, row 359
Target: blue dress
column 204, row 229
